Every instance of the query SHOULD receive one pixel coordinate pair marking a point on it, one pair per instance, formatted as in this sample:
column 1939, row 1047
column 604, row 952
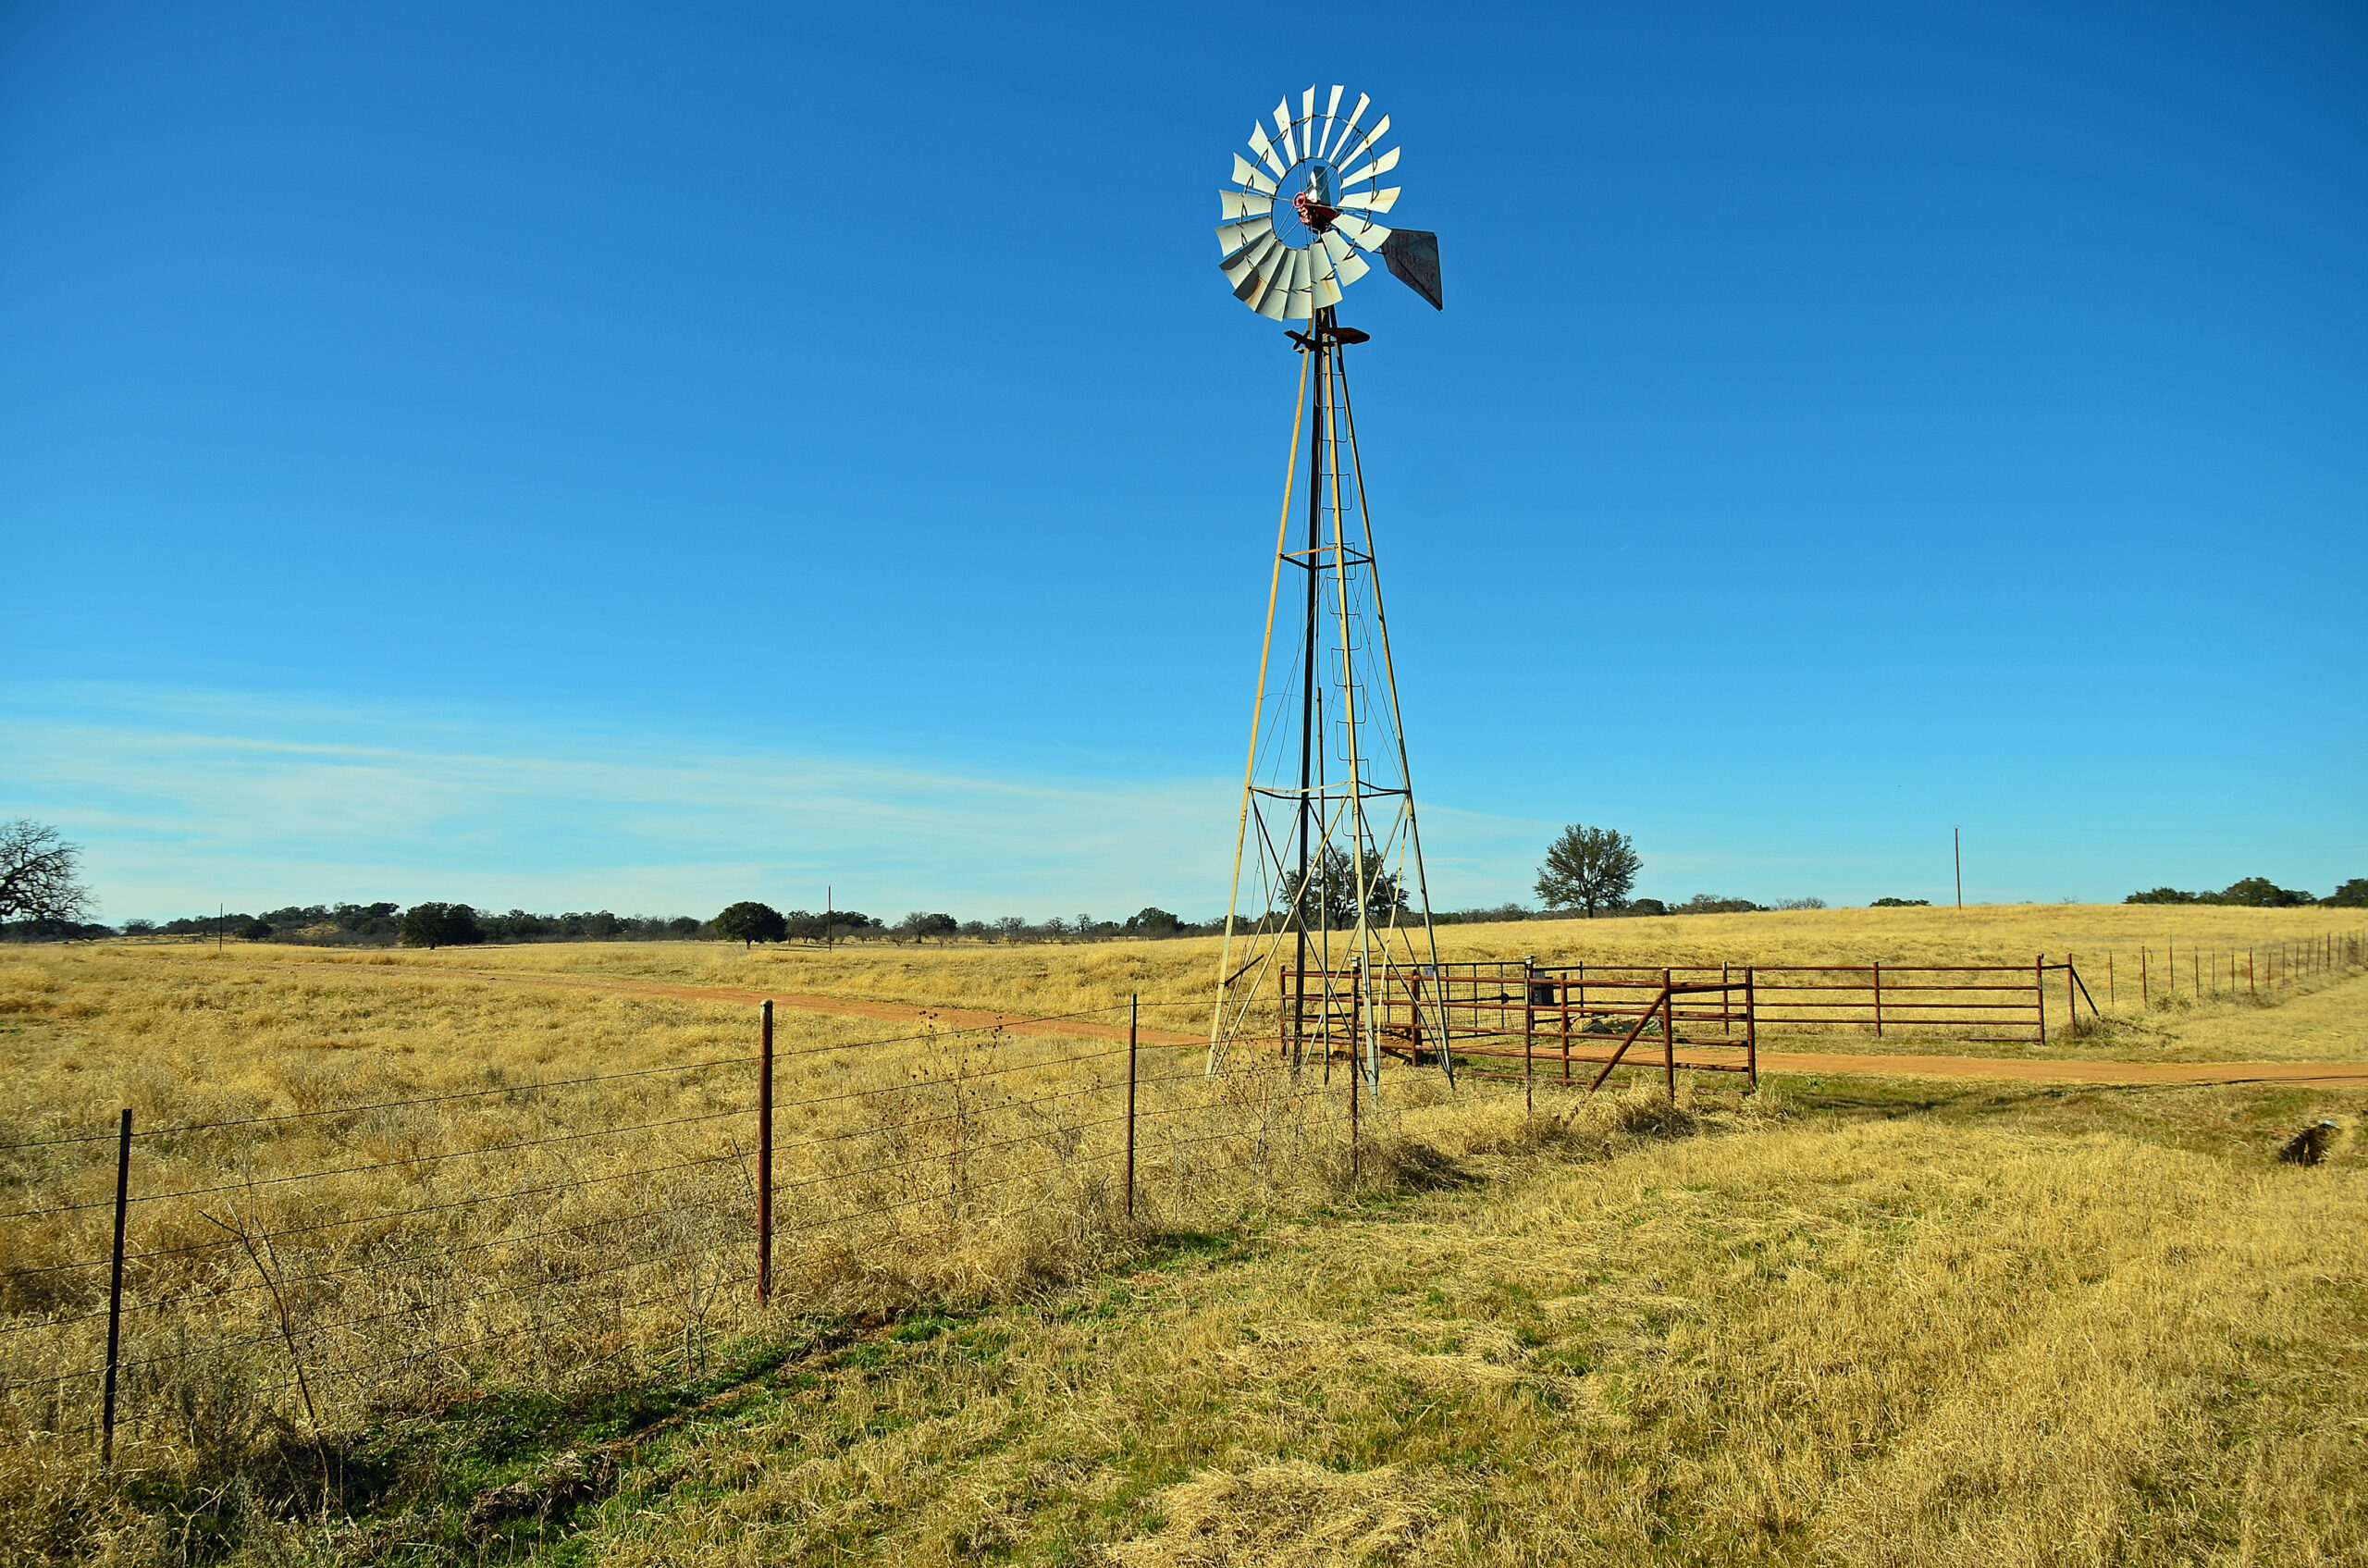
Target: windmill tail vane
column 1329, row 938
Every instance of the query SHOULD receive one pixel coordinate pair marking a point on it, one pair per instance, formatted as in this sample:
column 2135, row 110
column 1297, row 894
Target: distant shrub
column 1711, row 904
column 1492, row 916
column 1901, row 904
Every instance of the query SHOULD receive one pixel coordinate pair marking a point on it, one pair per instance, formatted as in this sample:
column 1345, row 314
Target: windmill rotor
column 1299, row 219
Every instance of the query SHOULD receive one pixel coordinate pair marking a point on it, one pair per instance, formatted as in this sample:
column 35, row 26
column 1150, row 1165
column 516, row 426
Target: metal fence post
column 115, row 1289
column 1669, row 1037
column 2039, row 992
column 1879, row 998
column 1563, row 991
column 1528, row 1035
column 1414, row 1017
column 765, row 1154
column 1750, row 1028
column 1133, row 1004
column 1356, row 1071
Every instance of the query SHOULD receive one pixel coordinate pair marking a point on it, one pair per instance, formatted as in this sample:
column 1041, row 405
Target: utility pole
column 1956, row 853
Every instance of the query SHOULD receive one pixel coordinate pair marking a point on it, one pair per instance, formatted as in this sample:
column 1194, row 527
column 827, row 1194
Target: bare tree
column 37, row 875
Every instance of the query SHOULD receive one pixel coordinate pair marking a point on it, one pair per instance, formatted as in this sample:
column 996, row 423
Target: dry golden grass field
column 1850, row 1319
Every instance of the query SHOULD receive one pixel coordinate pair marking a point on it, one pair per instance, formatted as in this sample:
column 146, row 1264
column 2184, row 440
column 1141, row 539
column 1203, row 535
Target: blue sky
column 647, row 457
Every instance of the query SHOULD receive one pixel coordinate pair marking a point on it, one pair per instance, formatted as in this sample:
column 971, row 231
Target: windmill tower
column 1328, row 925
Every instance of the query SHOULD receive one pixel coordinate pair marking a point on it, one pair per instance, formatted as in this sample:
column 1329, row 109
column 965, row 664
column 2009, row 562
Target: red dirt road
column 1838, row 1064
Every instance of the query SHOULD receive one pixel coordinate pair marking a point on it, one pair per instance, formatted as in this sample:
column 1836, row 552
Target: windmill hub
column 1312, row 202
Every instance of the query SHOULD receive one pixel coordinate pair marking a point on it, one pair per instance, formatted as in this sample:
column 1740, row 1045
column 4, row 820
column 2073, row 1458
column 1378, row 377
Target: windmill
column 1328, row 926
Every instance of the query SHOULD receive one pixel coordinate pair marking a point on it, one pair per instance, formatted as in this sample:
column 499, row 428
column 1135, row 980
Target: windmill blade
column 1374, row 169
column 1303, row 286
column 1350, row 153
column 1364, row 235
column 1231, row 237
column 1283, row 129
column 1242, row 203
column 1272, row 301
column 1250, row 268
column 1282, row 302
column 1413, row 258
column 1325, row 289
column 1346, row 265
column 1246, row 173
column 1348, row 131
column 1278, row 271
column 1265, row 150
column 1253, row 271
column 1379, row 202
column 1307, row 123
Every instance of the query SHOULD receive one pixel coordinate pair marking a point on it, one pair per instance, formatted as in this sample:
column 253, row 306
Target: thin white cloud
column 180, row 799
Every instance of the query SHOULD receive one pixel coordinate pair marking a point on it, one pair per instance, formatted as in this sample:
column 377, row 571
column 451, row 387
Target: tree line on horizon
column 2260, row 893
column 1589, row 871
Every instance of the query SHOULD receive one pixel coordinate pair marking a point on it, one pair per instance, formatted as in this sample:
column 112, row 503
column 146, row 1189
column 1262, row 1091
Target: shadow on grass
column 2247, row 1122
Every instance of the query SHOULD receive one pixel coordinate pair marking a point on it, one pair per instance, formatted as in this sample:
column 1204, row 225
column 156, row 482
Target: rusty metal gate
column 1565, row 1020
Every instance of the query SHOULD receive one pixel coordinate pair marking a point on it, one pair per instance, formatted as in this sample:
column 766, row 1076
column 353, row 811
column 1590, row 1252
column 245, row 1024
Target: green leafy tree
column 1152, row 921
column 748, row 922
column 2352, row 895
column 1588, row 868
column 1330, row 901
column 440, row 925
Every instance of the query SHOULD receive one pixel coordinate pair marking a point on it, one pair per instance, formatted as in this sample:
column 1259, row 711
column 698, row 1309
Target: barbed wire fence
column 189, row 1285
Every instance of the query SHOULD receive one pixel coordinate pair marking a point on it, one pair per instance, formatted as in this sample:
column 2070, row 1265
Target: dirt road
column 1836, row 1064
